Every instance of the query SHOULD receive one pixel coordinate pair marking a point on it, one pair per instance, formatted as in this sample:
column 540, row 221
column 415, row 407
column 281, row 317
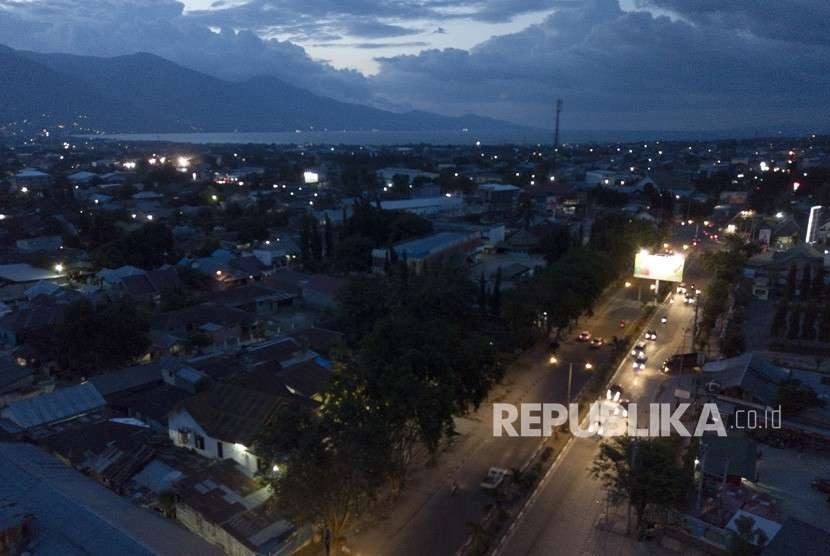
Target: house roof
column 199, row 315
column 307, row 378
column 751, row 373
column 320, row 340
column 75, row 515
column 234, row 413
column 798, row 537
column 234, row 297
column 11, row 373
column 128, row 378
column 22, row 272
column 737, row 451
column 54, row 406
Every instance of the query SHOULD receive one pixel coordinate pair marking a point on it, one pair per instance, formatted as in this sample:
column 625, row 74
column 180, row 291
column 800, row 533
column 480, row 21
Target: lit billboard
column 659, row 267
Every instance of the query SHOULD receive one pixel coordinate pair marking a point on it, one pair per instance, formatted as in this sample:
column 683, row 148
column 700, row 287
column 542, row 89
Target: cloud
column 371, row 45
column 804, row 21
column 617, row 69
column 112, row 27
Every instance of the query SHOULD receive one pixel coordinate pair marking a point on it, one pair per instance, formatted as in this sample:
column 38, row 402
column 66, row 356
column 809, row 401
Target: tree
column 791, row 281
column 794, row 330
column 646, row 472
column 817, row 288
column 748, row 540
column 808, row 325
column 794, row 398
column 332, row 463
column 806, row 282
column 328, row 237
column 495, row 297
column 779, row 320
column 100, row 337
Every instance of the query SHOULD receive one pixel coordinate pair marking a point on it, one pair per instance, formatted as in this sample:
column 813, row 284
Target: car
column 666, row 368
column 614, row 392
column 597, row 342
column 689, row 299
column 495, row 477
column 664, row 320
column 650, row 335
column 681, row 288
column 584, row 336
column 639, row 349
column 640, row 362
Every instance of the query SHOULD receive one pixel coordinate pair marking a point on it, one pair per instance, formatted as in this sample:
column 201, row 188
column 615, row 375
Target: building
column 498, row 197
column 420, row 251
column 427, row 206
column 224, row 421
column 775, row 266
column 60, row 511
column 45, row 409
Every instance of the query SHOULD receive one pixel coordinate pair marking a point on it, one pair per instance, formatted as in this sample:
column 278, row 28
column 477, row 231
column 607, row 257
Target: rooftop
column 76, row 516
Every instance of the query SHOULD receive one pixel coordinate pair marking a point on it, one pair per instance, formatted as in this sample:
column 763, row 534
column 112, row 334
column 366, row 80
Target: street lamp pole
column 570, row 378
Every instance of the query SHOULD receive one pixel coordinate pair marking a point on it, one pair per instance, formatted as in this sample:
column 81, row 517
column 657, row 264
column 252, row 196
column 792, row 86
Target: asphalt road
column 565, row 515
column 428, row 519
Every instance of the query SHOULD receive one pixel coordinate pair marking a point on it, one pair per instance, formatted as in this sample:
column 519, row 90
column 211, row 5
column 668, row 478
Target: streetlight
column 59, row 268
column 627, row 284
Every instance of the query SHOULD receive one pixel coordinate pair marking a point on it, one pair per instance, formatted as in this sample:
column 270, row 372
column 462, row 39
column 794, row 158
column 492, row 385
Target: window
column 220, row 450
column 200, row 442
column 183, row 437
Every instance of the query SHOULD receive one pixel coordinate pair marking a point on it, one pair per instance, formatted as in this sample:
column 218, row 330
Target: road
column 427, row 519
column 566, row 514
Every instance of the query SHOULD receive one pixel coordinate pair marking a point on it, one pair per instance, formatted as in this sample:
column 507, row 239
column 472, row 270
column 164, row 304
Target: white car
column 650, row 335
column 639, row 350
column 640, row 362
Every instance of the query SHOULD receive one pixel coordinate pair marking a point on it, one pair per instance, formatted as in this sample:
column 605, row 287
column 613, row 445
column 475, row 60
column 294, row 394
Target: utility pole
column 570, row 377
column 556, row 133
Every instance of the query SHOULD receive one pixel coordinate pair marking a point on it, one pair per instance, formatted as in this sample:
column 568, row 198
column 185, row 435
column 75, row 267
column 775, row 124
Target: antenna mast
column 556, row 134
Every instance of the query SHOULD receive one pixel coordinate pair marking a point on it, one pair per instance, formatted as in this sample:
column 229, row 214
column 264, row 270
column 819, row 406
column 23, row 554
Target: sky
column 616, row 64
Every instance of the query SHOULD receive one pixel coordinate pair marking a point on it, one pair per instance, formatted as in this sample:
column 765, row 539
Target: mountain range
column 146, row 93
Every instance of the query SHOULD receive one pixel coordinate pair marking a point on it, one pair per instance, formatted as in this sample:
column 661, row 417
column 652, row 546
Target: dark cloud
column 787, row 20
column 618, row 69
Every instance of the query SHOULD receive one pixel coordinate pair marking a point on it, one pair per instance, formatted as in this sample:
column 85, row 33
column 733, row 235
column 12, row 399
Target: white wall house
column 186, row 432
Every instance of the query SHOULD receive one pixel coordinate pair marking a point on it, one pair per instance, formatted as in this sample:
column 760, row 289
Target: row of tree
column 416, row 356
column 804, row 321
column 568, row 288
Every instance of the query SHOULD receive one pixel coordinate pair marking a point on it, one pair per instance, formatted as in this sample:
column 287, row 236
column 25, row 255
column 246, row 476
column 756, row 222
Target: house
column 775, row 265
column 276, row 353
column 13, row 377
column 254, row 298
column 749, row 377
column 318, row 291
column 729, row 458
column 45, row 409
column 60, row 511
column 420, row 251
column 220, row 328
column 224, row 421
column 498, row 197
column 16, row 278
column 230, row 509
column 41, row 243
column 109, row 450
column 31, row 178
column 149, row 285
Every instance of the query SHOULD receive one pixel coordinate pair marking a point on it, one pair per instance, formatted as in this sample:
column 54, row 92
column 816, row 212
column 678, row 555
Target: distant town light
column 2, row 216
column 59, row 268
column 149, row 217
column 183, row 162
column 588, row 366
column 24, row 189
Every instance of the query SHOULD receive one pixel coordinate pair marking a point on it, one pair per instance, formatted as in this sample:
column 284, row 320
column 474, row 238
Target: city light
column 59, row 268
column 588, row 366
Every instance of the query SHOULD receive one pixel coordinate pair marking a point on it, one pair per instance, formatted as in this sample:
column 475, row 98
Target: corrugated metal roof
column 75, row 515
column 55, row 406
